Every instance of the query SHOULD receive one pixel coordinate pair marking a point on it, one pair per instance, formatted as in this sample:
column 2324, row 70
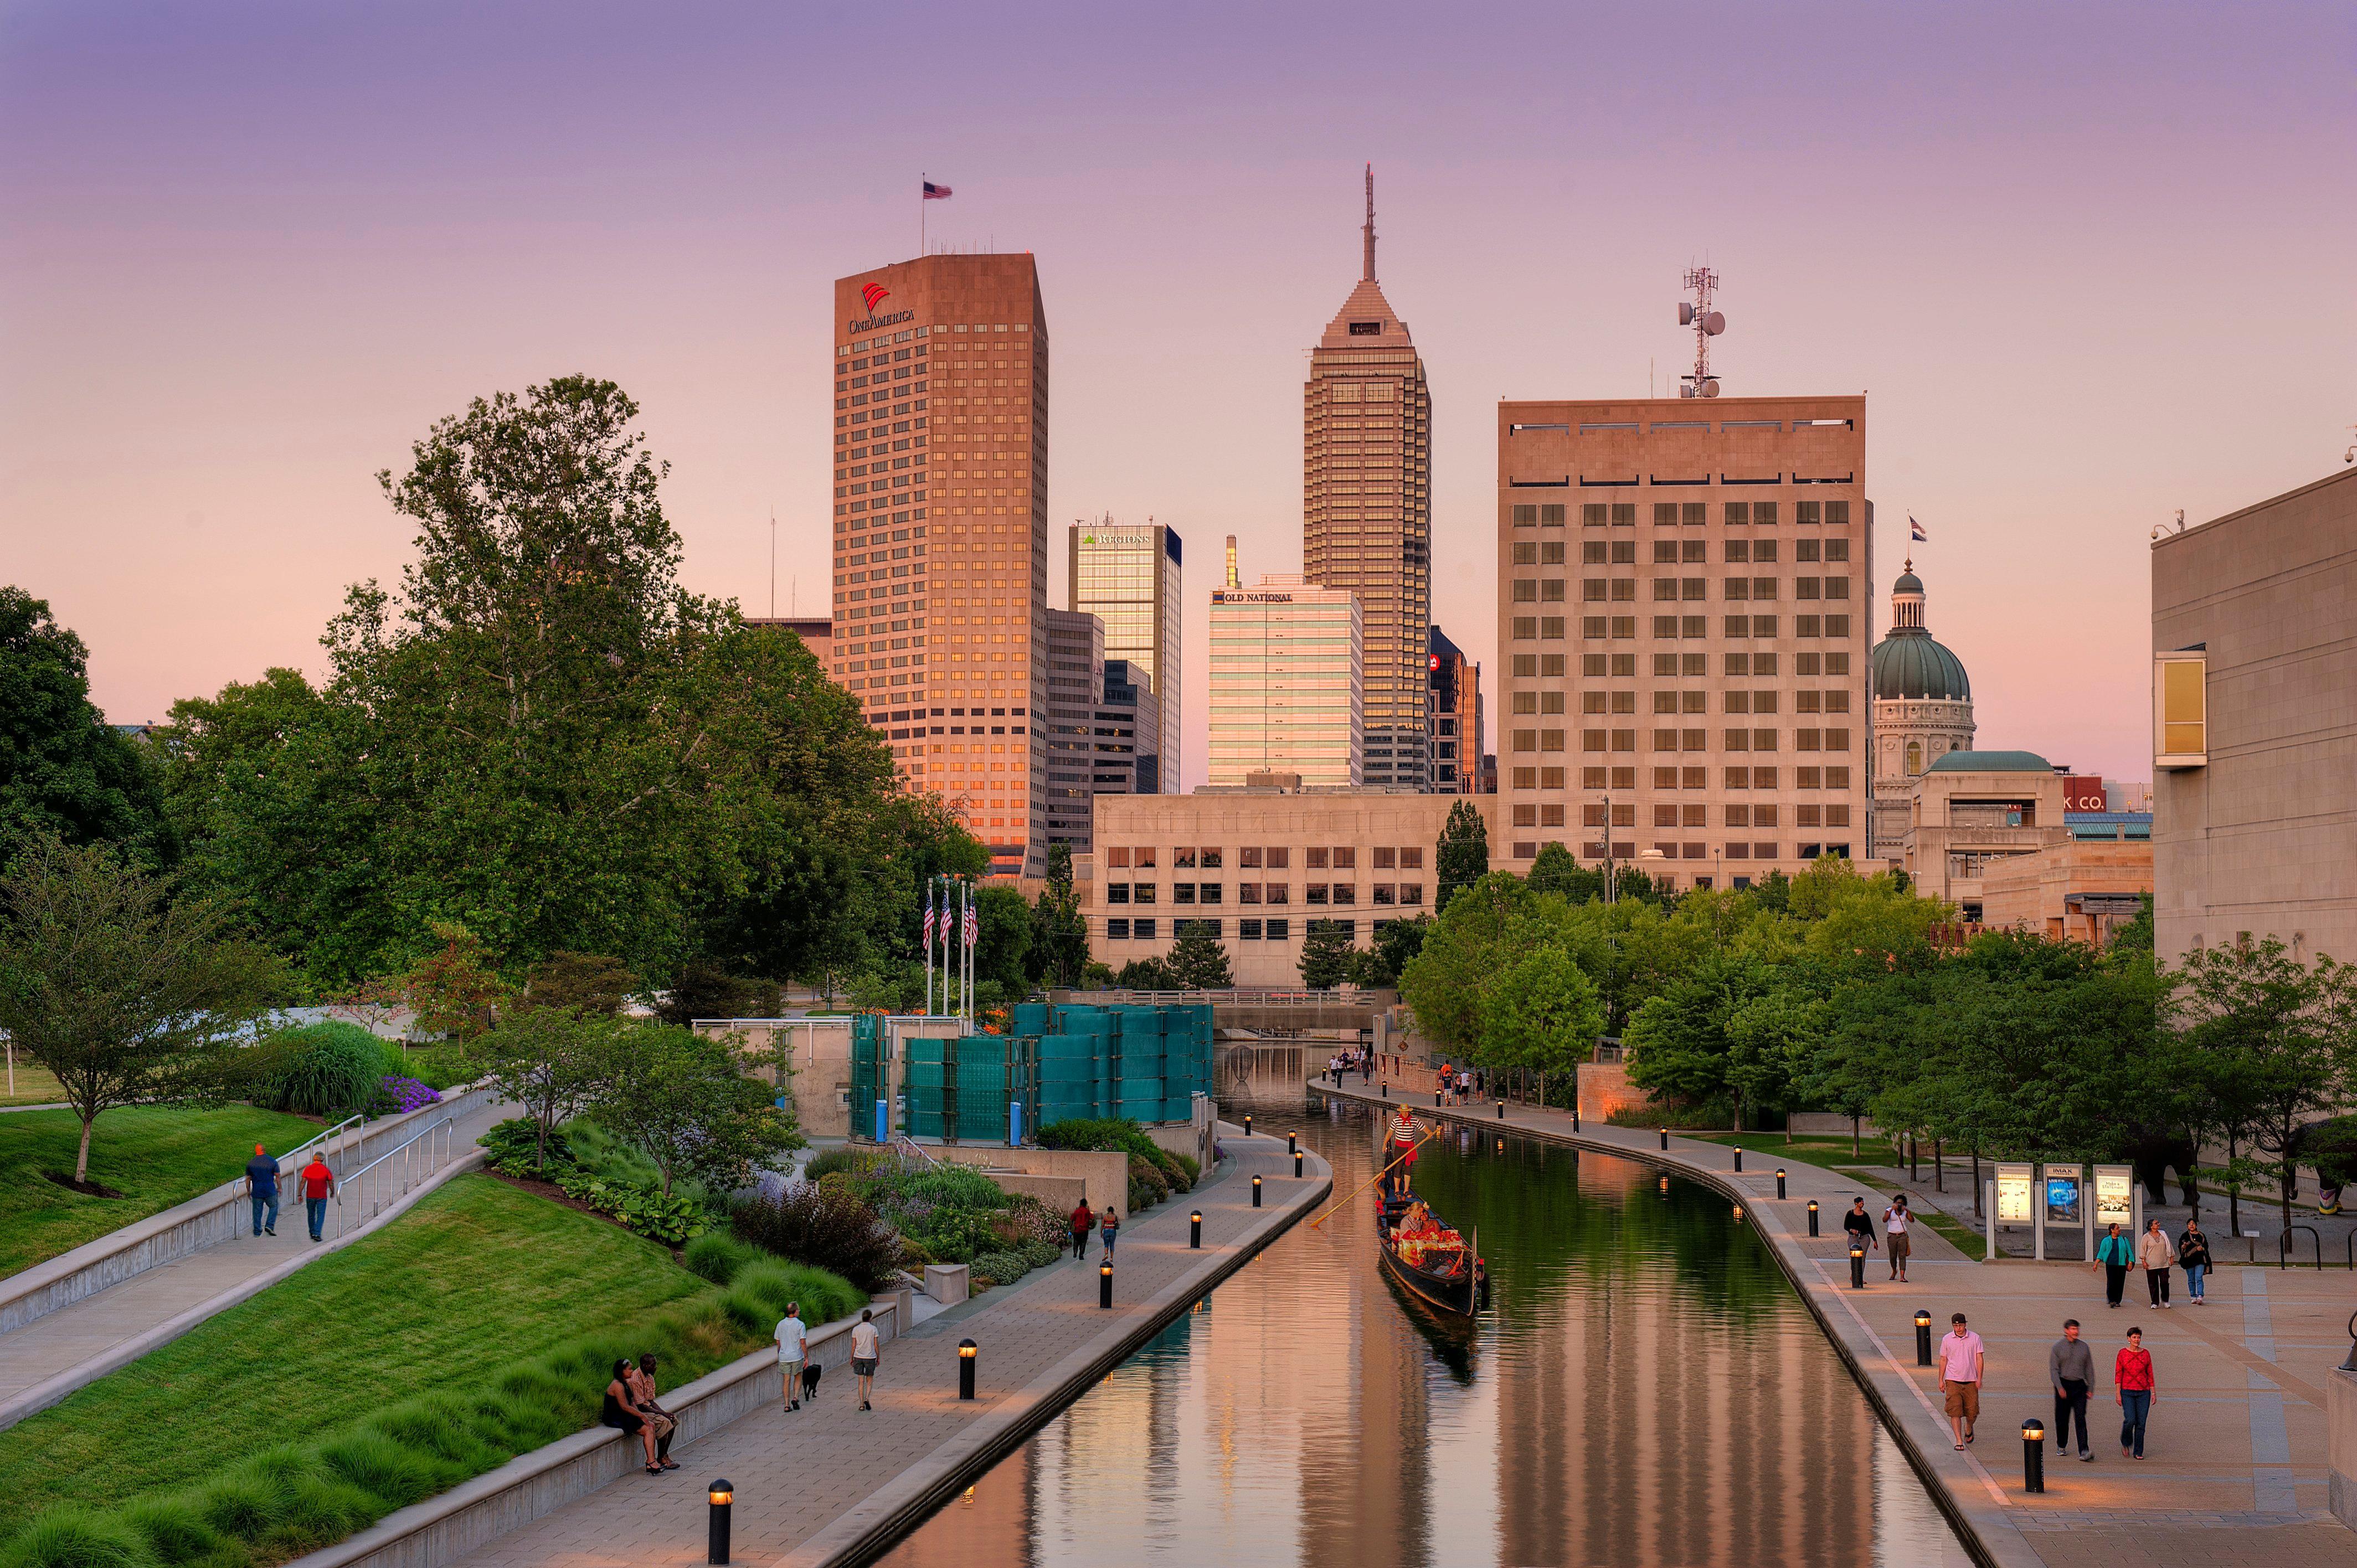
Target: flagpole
column 920, row 212
column 928, row 928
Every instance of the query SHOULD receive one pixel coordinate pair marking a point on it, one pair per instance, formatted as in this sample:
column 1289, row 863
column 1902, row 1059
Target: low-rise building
column 2083, row 888
column 1972, row 810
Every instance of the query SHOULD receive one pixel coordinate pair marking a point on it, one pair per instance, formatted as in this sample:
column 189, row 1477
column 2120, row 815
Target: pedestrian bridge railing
column 389, row 1177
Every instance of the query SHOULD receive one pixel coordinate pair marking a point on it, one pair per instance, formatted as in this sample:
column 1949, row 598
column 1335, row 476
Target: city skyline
column 247, row 272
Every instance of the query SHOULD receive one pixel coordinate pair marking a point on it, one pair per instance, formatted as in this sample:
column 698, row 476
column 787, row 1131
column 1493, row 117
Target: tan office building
column 1681, row 625
column 1287, row 693
column 1975, row 813
column 2254, row 726
column 1367, row 508
column 940, row 532
column 1256, row 865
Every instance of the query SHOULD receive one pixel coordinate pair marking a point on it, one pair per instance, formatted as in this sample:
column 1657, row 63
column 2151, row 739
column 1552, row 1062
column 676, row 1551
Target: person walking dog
column 2070, row 1368
column 793, row 1342
column 2133, row 1389
column 2155, row 1255
column 2113, row 1253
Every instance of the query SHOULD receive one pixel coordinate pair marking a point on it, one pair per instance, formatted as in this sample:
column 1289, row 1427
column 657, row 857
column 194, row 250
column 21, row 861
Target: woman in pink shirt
column 2132, row 1377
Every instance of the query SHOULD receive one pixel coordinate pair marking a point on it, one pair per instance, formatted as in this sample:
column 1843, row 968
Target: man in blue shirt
column 261, row 1183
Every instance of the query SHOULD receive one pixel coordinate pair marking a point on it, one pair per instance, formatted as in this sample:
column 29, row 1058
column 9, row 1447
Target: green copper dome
column 1909, row 665
column 1992, row 762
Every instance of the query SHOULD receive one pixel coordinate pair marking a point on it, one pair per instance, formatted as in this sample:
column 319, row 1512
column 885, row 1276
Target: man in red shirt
column 318, row 1186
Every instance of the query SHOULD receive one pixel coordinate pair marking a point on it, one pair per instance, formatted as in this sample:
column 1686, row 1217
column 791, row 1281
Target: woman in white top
column 2155, row 1255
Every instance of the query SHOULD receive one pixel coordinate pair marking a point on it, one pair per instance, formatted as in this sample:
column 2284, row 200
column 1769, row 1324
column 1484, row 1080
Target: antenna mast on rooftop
column 1708, row 324
column 1367, row 273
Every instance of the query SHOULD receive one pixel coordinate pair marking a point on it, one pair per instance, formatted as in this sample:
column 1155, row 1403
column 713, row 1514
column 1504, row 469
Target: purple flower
column 408, row 1094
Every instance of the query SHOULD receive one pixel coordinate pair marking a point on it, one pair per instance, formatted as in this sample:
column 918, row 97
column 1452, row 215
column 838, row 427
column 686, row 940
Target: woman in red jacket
column 2131, row 1375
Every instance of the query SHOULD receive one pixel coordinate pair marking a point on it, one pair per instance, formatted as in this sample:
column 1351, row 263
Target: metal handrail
column 2349, row 1247
column 410, row 1174
column 236, row 1183
column 2283, row 1246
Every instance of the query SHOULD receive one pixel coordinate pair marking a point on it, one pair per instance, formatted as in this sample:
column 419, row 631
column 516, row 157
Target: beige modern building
column 1255, row 865
column 1682, row 635
column 1287, row 689
column 940, row 532
column 1922, row 710
column 2084, row 889
column 1131, row 578
column 2255, row 724
column 1973, row 812
column 1366, row 507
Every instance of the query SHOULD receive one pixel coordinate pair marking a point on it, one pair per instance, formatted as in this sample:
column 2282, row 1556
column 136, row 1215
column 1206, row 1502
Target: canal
column 1646, row 1390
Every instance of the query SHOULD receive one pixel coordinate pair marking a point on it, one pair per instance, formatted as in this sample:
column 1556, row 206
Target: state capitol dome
column 1910, row 665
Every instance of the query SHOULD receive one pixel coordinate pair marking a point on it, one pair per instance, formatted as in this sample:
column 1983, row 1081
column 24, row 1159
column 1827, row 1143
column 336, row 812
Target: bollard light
column 2033, row 1455
column 1195, row 1229
column 1575, row 1112
column 967, row 1350
column 1247, row 1124
column 1780, row 1184
column 1665, row 1136
column 1501, row 1146
column 1812, row 1217
column 1293, row 1142
column 1738, row 1214
column 1922, row 1339
column 1104, row 1284
column 1501, row 1111
column 1739, row 1156
column 722, row 1494
column 1857, row 1265
column 1255, row 1192
column 1296, row 1164
column 1387, row 1090
column 1436, row 1096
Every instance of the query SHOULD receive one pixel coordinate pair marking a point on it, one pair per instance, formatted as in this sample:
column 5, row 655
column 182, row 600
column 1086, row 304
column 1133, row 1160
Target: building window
column 2180, row 714
column 1278, row 892
column 1141, row 893
column 1116, row 892
column 1346, row 892
column 1142, row 929
column 1279, row 858
column 1914, row 757
column 1116, row 930
column 1247, row 930
column 1196, row 929
column 1279, row 930
column 1383, row 893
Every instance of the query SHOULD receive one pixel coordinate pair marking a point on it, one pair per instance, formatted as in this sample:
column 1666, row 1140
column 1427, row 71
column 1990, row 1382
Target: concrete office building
column 1131, row 579
column 1367, row 508
column 1287, row 684
column 2254, row 726
column 1922, row 710
column 1075, row 676
column 1454, row 714
column 1971, row 813
column 940, row 532
column 1682, row 637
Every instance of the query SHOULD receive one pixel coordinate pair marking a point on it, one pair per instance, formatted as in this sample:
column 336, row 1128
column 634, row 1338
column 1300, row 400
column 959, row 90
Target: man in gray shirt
column 2070, row 1368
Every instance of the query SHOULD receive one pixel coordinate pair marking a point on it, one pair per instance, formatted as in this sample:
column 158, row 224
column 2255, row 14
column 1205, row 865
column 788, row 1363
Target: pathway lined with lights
column 811, row 1484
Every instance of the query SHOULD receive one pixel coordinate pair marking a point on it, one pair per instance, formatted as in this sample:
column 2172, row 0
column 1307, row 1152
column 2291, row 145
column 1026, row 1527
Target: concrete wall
column 2257, row 839
column 1103, row 1177
column 2033, row 891
column 2340, row 1444
column 1604, row 1087
column 821, row 1079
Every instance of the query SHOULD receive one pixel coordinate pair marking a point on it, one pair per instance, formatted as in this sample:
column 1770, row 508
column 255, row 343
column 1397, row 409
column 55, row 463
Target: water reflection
column 1646, row 1390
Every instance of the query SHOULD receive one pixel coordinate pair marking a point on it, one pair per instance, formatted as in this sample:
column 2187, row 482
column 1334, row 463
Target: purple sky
column 2091, row 264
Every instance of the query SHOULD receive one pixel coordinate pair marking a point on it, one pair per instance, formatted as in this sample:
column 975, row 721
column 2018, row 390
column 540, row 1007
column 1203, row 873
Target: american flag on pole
column 973, row 926
column 936, row 192
column 929, row 914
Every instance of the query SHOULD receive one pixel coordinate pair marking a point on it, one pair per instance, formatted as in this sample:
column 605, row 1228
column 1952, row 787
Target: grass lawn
column 1766, row 1150
column 480, row 1277
column 155, row 1155
column 35, row 1086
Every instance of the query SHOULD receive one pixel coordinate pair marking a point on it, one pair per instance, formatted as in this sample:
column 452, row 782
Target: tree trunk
column 2233, row 1189
column 1976, row 1182
column 1914, row 1158
column 1939, row 1169
column 81, row 1159
column 1854, row 1123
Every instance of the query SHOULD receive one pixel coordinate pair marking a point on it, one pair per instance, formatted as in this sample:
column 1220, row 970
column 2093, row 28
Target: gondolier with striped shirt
column 1401, row 1151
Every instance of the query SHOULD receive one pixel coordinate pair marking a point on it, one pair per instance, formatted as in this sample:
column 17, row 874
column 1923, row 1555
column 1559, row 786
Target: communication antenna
column 1708, row 324
column 2351, row 456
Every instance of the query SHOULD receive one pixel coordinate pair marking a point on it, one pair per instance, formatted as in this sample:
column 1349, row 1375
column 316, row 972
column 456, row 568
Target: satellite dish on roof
column 1710, row 386
column 1685, row 313
column 1715, row 323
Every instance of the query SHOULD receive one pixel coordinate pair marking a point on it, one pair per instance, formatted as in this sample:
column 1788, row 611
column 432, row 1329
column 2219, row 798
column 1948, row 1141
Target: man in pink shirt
column 1960, row 1378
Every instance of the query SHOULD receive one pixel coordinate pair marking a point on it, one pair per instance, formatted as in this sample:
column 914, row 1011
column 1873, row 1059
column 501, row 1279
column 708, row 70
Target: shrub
column 1001, row 1267
column 1027, row 1219
column 513, row 1142
column 826, row 1226
column 716, row 1255
column 847, row 1159
column 73, row 1537
column 956, row 1235
column 1118, row 1132
column 328, row 1068
column 173, row 1530
column 1146, row 1176
column 1040, row 1254
column 397, row 1096
column 765, row 1288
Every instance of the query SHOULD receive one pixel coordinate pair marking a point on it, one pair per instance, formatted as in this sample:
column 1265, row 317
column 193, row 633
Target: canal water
column 1646, row 1390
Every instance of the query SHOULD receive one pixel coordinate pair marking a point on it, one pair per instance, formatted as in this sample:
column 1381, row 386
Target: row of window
column 1528, row 628
column 1671, row 552
column 1623, row 666
column 1685, row 514
column 1591, row 815
column 1247, row 930
column 1681, row 739
column 1829, row 702
column 1682, row 777
column 1199, row 893
column 1277, row 857
column 1670, row 590
column 1741, row 850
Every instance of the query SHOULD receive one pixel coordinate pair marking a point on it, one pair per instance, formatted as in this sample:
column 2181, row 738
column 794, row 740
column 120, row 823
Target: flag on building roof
column 1915, row 529
column 936, row 192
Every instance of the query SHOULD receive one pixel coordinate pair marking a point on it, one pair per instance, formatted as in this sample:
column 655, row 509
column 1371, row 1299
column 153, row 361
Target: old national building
column 1922, row 710
column 1680, row 632
column 1286, row 691
column 1367, row 508
column 1130, row 578
column 941, row 533
column 2254, row 726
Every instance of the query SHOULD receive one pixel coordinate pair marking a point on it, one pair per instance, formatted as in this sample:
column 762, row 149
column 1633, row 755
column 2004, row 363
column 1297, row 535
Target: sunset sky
column 2090, row 263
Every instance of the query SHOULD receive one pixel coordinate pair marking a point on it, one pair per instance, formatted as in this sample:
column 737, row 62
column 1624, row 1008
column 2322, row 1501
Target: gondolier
column 1401, row 1151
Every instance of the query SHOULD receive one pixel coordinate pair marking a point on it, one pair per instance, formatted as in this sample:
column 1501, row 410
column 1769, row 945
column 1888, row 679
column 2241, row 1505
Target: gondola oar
column 1377, row 1176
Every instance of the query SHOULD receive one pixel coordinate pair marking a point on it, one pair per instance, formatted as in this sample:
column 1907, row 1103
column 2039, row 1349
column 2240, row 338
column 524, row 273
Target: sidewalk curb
column 1993, row 1539
column 50, row 1391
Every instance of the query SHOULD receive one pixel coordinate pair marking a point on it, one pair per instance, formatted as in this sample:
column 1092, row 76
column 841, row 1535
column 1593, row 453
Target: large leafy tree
column 126, row 993
column 1461, row 858
column 1542, row 1014
column 1060, row 932
column 688, row 1102
column 63, row 768
column 1198, row 962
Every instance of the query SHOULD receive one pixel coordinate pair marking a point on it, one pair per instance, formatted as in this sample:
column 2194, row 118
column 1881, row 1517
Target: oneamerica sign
column 872, row 323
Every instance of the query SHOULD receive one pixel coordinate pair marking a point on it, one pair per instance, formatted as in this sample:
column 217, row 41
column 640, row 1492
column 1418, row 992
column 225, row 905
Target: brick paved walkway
column 2234, row 1465
column 797, row 1476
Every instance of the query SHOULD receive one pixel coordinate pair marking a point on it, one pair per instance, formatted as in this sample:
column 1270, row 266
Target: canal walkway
column 830, row 1483
column 2234, row 1472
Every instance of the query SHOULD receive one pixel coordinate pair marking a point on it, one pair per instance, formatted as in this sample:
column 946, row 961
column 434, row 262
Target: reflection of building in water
column 989, row 1527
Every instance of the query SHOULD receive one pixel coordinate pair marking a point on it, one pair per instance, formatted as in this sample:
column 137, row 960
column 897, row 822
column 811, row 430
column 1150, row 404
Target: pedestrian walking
column 262, row 1185
column 2070, row 1368
column 2132, row 1383
column 1109, row 1229
column 2113, row 1253
column 318, row 1186
column 865, row 1344
column 1083, row 1221
column 1896, row 1223
column 1961, row 1354
column 659, row 1420
column 1366, row 1066
column 2156, row 1256
column 2193, row 1257
column 1858, row 1225
column 794, row 1345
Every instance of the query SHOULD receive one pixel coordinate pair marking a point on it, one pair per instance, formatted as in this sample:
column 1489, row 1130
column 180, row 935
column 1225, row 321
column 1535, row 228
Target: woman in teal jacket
column 2113, row 1255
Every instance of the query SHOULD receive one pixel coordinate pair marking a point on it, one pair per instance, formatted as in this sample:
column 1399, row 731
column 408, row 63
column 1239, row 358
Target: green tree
column 454, row 988
column 1060, row 932
column 1325, row 955
column 1679, row 1041
column 1002, row 938
column 123, row 991
column 1543, row 1014
column 1197, row 961
column 1555, row 872
column 63, row 768
column 1462, row 856
column 1145, row 974
column 1488, row 925
column 550, row 1060
column 686, row 1101
column 1395, row 946
column 584, row 983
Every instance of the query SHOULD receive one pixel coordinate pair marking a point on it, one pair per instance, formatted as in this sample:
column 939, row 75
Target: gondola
column 1428, row 1257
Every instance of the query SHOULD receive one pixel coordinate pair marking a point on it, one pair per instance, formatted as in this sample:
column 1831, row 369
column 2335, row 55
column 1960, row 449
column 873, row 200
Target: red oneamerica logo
column 875, row 293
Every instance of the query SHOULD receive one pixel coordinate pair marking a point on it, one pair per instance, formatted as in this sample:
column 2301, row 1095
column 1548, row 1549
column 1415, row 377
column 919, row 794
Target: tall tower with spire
column 1367, row 508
